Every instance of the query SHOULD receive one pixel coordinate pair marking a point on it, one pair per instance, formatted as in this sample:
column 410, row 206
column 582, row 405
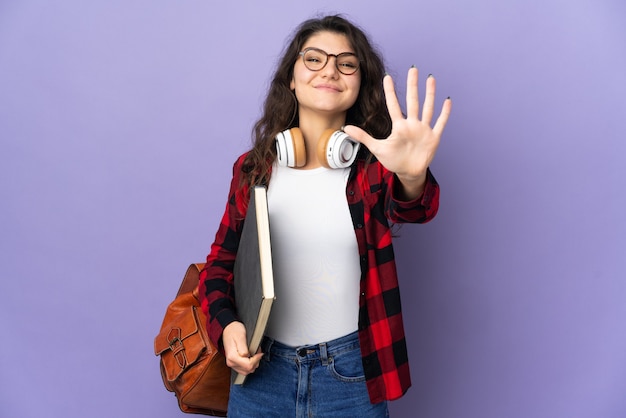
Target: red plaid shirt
column 373, row 206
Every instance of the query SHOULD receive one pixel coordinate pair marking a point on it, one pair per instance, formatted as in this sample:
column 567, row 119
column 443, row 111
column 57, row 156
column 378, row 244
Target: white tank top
column 315, row 256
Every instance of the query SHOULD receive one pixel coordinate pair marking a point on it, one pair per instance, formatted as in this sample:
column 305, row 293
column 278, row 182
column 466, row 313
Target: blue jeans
column 322, row 380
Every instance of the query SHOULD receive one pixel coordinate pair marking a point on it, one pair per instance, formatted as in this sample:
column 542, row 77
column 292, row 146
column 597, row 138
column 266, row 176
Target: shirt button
column 359, row 226
column 351, row 192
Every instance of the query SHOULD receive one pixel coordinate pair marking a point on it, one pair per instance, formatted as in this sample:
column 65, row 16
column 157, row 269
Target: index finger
column 395, row 111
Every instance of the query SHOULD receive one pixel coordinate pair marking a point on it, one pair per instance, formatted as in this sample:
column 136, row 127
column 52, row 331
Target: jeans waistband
column 311, row 352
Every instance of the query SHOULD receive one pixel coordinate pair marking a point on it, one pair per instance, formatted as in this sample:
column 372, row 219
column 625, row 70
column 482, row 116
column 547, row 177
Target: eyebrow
column 321, row 49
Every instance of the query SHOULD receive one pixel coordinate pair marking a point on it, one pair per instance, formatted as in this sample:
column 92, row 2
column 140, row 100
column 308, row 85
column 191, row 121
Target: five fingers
column 412, row 101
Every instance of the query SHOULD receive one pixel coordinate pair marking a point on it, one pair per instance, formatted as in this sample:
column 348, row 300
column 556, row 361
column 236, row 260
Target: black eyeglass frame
column 327, row 55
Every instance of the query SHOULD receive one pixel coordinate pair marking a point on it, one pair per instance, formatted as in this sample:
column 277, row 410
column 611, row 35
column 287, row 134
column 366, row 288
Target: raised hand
column 412, row 144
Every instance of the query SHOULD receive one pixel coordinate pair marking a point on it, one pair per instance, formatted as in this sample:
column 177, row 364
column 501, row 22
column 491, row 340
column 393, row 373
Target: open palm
column 412, row 144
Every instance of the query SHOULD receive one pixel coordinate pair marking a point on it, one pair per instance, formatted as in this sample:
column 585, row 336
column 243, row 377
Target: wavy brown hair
column 369, row 112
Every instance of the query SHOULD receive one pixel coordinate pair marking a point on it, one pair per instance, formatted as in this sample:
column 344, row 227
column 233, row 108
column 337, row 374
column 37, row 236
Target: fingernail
column 448, row 98
column 413, row 66
column 430, row 75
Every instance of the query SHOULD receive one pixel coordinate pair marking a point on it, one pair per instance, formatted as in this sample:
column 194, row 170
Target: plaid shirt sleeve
column 216, row 279
column 373, row 206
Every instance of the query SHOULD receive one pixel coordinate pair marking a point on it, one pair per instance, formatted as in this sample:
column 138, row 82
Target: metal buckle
column 178, row 348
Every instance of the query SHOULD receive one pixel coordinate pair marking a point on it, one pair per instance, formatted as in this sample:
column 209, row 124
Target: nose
column 330, row 69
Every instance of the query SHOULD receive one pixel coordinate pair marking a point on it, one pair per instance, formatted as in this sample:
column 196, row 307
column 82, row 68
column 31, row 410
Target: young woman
column 335, row 343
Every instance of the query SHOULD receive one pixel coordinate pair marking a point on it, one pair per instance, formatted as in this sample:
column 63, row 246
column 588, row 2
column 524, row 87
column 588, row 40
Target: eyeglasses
column 315, row 59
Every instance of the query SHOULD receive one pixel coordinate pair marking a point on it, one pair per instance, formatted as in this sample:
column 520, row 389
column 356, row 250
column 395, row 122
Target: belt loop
column 323, row 354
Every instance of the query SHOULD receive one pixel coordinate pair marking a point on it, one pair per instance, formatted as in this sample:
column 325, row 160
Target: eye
column 313, row 56
column 348, row 60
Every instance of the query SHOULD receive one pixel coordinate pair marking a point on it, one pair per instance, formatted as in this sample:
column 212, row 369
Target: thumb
column 359, row 135
column 242, row 346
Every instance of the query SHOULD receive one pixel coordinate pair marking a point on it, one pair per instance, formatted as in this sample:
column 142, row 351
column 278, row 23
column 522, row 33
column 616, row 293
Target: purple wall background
column 119, row 123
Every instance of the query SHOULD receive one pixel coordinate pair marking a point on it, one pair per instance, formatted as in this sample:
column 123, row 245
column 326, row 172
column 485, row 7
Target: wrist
column 411, row 187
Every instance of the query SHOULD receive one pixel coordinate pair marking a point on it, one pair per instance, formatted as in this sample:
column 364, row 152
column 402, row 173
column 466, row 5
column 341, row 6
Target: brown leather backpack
column 191, row 366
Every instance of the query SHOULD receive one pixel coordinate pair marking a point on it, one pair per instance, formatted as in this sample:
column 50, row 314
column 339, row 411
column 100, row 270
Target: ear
column 292, row 85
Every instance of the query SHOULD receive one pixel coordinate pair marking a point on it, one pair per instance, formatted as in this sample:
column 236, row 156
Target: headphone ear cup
column 299, row 147
column 290, row 149
column 322, row 145
column 335, row 149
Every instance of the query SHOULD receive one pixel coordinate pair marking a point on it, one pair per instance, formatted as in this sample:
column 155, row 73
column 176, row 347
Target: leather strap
column 191, row 280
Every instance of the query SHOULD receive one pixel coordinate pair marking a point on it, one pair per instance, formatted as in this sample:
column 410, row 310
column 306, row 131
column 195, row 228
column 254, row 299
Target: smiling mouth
column 328, row 87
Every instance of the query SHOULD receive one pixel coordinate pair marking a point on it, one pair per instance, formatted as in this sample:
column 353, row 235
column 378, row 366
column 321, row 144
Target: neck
column 312, row 127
